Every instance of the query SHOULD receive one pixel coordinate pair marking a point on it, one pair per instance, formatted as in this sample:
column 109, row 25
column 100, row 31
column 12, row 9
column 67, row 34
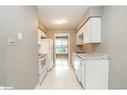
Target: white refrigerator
column 47, row 48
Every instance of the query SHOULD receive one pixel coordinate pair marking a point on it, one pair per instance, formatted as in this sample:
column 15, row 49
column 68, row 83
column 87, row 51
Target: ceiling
column 68, row 16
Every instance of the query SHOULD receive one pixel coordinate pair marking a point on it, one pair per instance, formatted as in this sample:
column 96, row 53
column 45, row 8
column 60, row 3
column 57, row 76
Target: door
column 83, row 73
column 77, row 68
column 62, row 47
column 87, row 31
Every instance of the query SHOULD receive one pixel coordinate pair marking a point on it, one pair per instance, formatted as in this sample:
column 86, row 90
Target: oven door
column 42, row 64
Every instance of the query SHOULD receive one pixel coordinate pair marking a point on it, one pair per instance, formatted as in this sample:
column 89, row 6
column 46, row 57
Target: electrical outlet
column 11, row 41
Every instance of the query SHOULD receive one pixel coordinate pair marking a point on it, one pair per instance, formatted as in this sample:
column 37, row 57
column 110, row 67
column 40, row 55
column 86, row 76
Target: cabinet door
column 95, row 27
column 73, row 63
column 39, row 37
column 83, row 73
column 87, row 31
column 80, row 31
column 42, row 33
column 77, row 38
column 92, row 30
column 77, row 68
column 97, row 74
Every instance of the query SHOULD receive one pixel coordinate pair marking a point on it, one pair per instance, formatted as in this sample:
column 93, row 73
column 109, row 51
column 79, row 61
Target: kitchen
column 89, row 32
column 63, row 47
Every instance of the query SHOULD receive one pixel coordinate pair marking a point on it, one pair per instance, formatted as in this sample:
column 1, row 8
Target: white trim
column 62, row 34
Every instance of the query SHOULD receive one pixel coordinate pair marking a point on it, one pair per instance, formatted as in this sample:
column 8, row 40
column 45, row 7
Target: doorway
column 62, row 49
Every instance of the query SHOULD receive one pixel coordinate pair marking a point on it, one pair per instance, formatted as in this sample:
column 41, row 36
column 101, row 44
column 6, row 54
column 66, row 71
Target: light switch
column 11, row 41
column 19, row 35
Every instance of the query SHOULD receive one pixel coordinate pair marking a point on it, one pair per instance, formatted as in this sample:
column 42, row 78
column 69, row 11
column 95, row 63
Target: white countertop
column 92, row 56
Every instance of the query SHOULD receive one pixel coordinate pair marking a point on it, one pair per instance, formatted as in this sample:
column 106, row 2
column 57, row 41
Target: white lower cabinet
column 93, row 72
column 83, row 74
column 76, row 65
column 95, row 75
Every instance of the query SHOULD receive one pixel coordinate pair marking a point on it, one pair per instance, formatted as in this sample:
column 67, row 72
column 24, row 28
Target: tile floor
column 60, row 77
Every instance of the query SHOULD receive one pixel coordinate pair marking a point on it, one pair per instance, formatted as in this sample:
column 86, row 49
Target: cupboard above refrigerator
column 41, row 35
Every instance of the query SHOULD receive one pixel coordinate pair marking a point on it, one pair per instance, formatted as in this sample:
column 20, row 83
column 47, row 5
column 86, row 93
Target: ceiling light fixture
column 60, row 21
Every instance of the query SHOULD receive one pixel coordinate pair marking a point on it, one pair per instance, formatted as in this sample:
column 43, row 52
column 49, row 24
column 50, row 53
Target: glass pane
column 61, row 50
column 61, row 45
column 64, row 42
column 58, row 42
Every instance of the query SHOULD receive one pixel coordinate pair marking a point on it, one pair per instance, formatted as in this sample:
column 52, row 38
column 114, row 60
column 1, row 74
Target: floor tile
column 62, row 76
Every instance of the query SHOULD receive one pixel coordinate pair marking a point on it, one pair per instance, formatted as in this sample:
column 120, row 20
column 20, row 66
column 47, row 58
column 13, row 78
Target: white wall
column 114, row 42
column 21, row 60
column 2, row 65
column 91, row 11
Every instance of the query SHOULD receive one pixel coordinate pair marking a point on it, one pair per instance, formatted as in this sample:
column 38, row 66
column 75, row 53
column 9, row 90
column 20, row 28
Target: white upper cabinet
column 41, row 34
column 90, row 32
column 87, row 32
column 79, row 38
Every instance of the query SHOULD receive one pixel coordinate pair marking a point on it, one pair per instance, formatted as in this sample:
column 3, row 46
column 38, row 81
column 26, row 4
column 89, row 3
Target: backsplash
column 84, row 48
column 88, row 48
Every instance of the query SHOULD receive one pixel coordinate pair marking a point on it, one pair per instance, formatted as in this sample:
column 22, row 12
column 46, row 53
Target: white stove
column 42, row 67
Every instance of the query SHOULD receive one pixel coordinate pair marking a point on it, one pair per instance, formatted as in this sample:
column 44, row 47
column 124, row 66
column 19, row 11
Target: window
column 61, row 45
